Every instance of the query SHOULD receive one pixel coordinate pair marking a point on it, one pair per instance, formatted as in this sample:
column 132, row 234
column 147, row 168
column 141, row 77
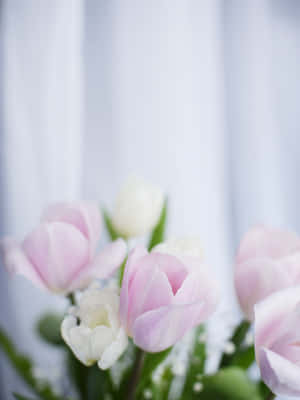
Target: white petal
column 114, row 350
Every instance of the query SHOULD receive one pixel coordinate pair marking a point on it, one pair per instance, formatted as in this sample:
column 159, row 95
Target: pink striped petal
column 57, row 251
column 16, row 262
column 159, row 329
column 103, row 266
column 84, row 216
column 281, row 375
column 262, row 242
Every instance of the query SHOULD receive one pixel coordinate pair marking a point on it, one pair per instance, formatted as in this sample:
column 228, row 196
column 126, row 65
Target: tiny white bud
column 178, row 368
column 249, row 339
column 147, row 394
column 198, row 386
column 229, row 348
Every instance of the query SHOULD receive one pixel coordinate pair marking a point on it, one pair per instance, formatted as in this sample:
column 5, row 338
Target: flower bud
column 138, row 208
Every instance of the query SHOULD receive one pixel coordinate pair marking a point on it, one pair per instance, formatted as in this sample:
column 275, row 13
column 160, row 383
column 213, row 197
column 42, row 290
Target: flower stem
column 135, row 375
column 237, row 340
column 71, row 298
column 271, row 396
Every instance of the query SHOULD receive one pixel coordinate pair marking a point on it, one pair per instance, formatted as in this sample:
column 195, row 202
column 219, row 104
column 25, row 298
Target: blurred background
column 200, row 97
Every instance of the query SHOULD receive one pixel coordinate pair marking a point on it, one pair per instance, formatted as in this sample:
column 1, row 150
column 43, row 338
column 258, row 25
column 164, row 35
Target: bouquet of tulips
column 132, row 308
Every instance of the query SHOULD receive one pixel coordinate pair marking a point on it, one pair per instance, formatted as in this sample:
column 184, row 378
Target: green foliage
column 242, row 356
column 92, row 383
column 113, row 234
column 230, row 383
column 48, row 328
column 151, row 362
column 196, row 363
column 20, row 397
column 23, row 366
column 158, row 232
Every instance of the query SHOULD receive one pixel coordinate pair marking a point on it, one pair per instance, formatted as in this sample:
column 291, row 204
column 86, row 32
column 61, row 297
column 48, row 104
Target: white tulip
column 92, row 329
column 181, row 247
column 138, row 208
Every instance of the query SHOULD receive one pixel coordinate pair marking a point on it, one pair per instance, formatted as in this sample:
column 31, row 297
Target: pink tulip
column 162, row 297
column 277, row 341
column 268, row 260
column 60, row 253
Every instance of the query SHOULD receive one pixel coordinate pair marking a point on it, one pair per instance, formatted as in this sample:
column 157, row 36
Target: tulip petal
column 159, row 329
column 282, row 376
column 256, row 279
column 198, row 286
column 265, row 242
column 16, row 262
column 84, row 216
column 58, row 251
column 103, row 266
column 153, row 289
column 114, row 350
column 130, row 269
column 272, row 316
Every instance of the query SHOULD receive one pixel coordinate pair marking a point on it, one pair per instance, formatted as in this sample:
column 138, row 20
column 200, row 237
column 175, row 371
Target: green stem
column 237, row 339
column 135, row 375
column 71, row 298
column 271, row 396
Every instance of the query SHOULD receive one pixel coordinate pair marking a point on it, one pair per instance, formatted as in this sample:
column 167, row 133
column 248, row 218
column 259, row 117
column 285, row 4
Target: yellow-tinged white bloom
column 98, row 336
column 190, row 246
column 138, row 208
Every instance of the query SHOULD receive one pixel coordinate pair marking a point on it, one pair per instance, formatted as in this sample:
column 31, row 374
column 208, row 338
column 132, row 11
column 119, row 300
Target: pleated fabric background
column 201, row 97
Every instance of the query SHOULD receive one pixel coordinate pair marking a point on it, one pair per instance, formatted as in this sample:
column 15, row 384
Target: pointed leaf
column 158, row 232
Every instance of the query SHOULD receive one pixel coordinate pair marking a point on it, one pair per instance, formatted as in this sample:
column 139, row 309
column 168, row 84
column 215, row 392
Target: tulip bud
column 60, row 253
column 98, row 336
column 163, row 297
column 138, row 208
column 268, row 260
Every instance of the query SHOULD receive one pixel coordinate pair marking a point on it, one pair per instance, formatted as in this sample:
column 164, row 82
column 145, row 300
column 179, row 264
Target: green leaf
column 92, row 383
column 230, row 383
column 113, row 234
column 20, row 397
column 48, row 328
column 244, row 358
column 158, row 232
column 23, row 366
column 196, row 363
column 151, row 362
column 237, row 339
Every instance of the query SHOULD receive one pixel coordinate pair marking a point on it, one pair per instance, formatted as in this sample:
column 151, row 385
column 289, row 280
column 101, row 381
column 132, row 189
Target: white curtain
column 199, row 96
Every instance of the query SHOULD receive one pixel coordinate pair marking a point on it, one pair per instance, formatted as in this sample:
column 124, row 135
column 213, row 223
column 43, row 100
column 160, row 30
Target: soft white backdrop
column 201, row 97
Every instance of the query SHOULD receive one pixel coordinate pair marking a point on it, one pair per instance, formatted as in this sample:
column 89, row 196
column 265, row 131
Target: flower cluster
column 151, row 297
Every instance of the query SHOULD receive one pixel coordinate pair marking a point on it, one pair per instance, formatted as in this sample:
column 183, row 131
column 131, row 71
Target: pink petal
column 256, row 279
column 16, row 262
column 103, row 266
column 159, row 329
column 84, row 216
column 150, row 289
column 265, row 242
column 58, row 252
column 131, row 267
column 272, row 316
column 199, row 286
column 282, row 376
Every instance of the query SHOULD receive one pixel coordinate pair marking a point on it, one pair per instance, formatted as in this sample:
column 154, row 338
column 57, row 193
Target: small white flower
column 138, row 208
column 191, row 246
column 93, row 331
column 198, row 387
column 229, row 348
